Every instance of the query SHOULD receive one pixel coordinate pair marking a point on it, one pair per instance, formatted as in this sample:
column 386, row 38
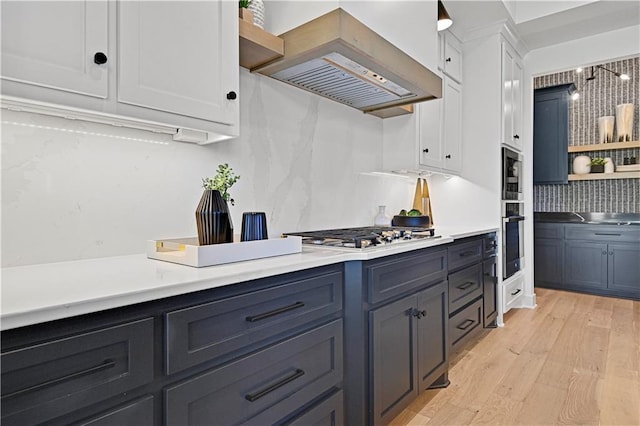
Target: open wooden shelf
column 257, row 46
column 601, row 176
column 605, row 146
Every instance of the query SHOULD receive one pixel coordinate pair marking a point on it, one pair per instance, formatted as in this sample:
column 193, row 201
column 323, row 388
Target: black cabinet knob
column 100, row 58
column 425, row 150
column 232, row 95
column 447, row 156
column 516, row 136
column 448, row 60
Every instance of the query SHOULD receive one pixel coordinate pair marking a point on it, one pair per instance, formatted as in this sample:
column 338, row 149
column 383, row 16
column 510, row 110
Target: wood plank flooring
column 574, row 360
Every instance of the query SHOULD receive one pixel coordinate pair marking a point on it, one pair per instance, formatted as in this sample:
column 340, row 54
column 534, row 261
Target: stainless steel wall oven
column 512, row 238
column 511, row 175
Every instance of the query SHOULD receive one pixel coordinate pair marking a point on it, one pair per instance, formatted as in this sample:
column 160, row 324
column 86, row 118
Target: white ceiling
column 543, row 23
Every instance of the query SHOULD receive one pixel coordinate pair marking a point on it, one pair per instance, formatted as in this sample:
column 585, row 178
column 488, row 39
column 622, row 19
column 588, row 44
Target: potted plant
column 213, row 219
column 243, row 12
column 597, row 165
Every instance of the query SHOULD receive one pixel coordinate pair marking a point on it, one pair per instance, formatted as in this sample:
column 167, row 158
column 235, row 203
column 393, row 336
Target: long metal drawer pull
column 467, row 253
column 108, row 363
column 516, row 292
column 255, row 396
column 466, row 285
column 466, row 324
column 259, row 317
column 610, row 234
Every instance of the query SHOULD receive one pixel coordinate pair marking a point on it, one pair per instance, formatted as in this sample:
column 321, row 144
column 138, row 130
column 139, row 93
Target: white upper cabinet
column 160, row 67
column 61, row 45
column 428, row 140
column 451, row 126
column 512, row 75
column 166, row 66
column 451, row 56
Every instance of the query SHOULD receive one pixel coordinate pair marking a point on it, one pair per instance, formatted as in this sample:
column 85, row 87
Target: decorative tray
column 186, row 251
column 628, row 168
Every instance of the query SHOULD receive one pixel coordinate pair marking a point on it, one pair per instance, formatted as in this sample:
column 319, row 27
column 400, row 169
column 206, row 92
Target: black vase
column 213, row 219
column 597, row 168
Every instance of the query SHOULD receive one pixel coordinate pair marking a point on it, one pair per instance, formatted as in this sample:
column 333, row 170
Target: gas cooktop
column 365, row 237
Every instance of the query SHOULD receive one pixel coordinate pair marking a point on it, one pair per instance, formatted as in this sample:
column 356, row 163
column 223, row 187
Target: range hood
column 340, row 58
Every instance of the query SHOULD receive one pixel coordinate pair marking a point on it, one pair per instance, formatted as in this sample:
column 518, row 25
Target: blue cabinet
column 408, row 349
column 598, row 259
column 261, row 352
column 551, row 134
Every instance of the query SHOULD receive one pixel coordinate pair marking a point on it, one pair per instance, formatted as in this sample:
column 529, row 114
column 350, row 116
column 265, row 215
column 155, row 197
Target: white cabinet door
column 160, row 66
column 452, row 57
column 440, row 131
column 512, row 75
column 430, row 116
column 54, row 44
column 451, row 128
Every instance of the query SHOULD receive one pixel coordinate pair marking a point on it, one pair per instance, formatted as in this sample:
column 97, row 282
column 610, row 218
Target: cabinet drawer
column 490, row 246
column 205, row 332
column 465, row 286
column 465, row 324
column 47, row 380
column 138, row 413
column 329, row 412
column 548, row 230
column 512, row 292
column 464, row 254
column 264, row 387
column 603, row 233
column 388, row 278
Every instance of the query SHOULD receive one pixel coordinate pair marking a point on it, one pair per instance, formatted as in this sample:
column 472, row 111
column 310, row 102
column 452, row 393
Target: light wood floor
column 575, row 359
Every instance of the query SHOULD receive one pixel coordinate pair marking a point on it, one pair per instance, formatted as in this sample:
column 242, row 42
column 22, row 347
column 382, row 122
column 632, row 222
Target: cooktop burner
column 365, row 237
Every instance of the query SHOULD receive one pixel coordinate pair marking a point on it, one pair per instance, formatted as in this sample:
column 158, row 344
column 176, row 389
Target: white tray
column 628, row 168
column 186, row 251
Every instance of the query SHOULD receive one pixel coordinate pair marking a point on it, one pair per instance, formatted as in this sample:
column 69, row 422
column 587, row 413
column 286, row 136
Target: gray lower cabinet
column 44, row 381
column 268, row 351
column 408, row 349
column 262, row 388
column 598, row 259
column 489, row 291
column 586, row 264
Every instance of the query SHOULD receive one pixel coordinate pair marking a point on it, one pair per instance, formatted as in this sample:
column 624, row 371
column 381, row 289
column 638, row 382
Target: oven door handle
column 513, row 219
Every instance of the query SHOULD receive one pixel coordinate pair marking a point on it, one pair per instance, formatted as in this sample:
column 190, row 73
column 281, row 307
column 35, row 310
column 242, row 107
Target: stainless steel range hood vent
column 338, row 57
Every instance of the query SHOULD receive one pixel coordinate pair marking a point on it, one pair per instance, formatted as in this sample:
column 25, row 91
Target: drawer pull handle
column 255, row 396
column 259, row 317
column 467, row 253
column 465, row 285
column 610, row 234
column 465, row 324
column 107, row 364
column 516, row 292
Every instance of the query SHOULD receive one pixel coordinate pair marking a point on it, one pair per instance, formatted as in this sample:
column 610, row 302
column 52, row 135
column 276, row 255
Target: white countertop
column 39, row 293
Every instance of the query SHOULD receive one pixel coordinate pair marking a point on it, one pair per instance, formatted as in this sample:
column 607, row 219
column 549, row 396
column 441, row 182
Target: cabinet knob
column 419, row 314
column 516, row 136
column 100, row 58
column 425, row 150
column 610, row 253
column 448, row 60
column 447, row 156
column 604, row 253
column 232, row 95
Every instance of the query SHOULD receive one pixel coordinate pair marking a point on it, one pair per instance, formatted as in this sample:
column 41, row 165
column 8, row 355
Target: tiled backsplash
column 598, row 98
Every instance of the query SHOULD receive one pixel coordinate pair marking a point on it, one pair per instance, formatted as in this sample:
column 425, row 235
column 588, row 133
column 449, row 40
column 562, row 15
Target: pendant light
column 444, row 20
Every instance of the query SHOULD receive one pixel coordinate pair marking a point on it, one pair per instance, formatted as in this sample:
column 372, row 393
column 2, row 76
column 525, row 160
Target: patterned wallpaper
column 598, row 98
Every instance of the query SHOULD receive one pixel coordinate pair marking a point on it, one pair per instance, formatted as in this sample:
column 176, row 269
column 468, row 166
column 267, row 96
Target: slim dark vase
column 213, row 219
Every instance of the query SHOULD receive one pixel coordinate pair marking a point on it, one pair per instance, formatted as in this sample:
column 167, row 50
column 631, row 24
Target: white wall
column 69, row 195
column 586, row 51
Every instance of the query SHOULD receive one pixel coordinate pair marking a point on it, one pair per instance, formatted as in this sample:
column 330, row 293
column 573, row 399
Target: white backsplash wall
column 73, row 190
